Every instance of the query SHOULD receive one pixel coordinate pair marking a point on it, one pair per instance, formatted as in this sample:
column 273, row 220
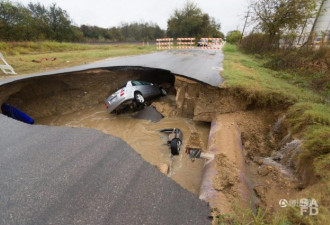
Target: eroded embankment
column 246, row 139
column 244, row 168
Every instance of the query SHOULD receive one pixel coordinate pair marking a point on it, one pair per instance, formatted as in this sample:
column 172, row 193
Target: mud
column 76, row 100
column 144, row 137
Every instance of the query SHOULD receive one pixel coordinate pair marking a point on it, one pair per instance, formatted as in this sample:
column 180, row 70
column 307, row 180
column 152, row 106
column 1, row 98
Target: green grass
column 24, row 56
column 308, row 111
column 263, row 85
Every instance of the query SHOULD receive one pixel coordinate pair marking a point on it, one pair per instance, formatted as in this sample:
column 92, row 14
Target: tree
column 275, row 17
column 15, row 21
column 234, row 36
column 192, row 22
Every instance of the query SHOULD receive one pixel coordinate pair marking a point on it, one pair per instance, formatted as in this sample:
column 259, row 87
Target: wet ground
column 144, row 137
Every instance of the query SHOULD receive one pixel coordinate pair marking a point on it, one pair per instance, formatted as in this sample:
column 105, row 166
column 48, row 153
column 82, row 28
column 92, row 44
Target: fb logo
column 283, row 203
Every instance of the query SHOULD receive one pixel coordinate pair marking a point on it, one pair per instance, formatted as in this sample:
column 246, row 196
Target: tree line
column 35, row 22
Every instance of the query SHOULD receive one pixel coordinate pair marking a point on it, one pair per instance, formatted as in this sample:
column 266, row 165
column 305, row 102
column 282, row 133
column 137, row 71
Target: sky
column 109, row 13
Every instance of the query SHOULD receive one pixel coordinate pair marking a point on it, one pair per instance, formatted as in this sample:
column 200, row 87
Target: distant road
column 202, row 65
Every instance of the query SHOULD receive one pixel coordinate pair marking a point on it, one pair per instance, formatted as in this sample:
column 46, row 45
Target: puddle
column 144, row 137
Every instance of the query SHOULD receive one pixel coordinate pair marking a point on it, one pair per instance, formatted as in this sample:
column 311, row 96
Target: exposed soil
column 248, row 138
column 76, row 100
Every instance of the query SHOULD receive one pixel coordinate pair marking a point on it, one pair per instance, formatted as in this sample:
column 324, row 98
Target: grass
column 308, row 115
column 30, row 57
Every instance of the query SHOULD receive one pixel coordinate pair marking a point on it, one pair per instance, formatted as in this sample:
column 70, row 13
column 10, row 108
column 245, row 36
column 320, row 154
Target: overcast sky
column 109, row 13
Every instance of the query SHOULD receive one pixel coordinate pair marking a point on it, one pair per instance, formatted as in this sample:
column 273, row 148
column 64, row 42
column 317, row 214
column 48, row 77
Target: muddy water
column 145, row 138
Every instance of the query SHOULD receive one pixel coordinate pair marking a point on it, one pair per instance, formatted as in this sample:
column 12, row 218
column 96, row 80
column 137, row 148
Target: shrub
column 255, row 43
column 233, row 37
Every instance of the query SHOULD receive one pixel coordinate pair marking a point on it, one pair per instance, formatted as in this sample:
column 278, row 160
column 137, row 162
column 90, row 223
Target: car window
column 136, row 83
column 145, row 83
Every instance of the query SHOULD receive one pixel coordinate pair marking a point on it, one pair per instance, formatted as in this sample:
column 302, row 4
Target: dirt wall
column 64, row 93
column 202, row 102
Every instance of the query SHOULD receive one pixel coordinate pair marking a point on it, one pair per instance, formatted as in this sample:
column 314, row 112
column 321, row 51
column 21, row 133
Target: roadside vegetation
column 32, row 57
column 308, row 118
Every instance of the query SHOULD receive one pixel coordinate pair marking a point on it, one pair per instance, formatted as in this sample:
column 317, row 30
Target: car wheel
column 163, row 92
column 138, row 97
column 175, row 146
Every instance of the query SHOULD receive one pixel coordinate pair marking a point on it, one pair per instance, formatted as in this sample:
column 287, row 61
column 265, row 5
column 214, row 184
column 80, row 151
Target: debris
column 16, row 114
column 263, row 170
column 149, row 113
column 175, row 138
column 163, row 168
column 40, row 60
column 194, row 146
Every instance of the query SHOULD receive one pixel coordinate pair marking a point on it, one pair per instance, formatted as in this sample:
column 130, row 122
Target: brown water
column 145, row 138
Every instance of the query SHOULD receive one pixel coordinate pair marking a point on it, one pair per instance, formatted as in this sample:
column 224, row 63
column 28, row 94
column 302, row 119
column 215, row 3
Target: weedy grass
column 308, row 115
column 32, row 57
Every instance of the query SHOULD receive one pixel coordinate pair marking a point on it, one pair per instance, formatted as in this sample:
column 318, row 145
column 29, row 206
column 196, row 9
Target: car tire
column 138, row 97
column 175, row 146
column 163, row 92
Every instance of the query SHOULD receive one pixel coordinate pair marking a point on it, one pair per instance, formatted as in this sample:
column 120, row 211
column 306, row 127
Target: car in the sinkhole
column 133, row 93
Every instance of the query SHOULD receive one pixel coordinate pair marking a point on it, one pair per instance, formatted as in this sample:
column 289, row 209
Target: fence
column 164, row 43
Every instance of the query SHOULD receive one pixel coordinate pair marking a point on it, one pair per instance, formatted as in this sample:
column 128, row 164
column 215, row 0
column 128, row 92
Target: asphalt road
column 202, row 65
column 60, row 175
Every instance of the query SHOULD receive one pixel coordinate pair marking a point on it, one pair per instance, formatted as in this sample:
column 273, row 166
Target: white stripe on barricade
column 164, row 41
column 185, row 41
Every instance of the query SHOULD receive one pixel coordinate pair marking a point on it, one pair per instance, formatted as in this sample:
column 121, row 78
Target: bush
column 255, row 43
column 233, row 37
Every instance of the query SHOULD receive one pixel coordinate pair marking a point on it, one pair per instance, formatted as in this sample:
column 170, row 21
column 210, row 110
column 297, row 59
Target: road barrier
column 211, row 43
column 164, row 43
column 6, row 68
column 184, row 42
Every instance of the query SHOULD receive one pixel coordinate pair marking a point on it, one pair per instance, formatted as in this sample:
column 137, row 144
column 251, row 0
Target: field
column 33, row 57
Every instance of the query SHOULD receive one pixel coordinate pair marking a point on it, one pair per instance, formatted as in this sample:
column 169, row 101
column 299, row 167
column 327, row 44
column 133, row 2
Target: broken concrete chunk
column 163, row 168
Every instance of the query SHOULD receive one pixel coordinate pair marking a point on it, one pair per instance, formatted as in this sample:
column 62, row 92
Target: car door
column 148, row 88
column 139, row 86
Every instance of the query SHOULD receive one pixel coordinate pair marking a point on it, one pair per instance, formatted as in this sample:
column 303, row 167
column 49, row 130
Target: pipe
column 225, row 142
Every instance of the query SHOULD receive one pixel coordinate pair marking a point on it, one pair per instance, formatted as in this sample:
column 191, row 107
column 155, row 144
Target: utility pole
column 247, row 16
column 311, row 34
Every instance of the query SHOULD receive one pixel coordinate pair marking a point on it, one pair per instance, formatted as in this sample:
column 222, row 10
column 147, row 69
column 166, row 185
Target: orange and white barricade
column 211, row 43
column 185, row 42
column 164, row 43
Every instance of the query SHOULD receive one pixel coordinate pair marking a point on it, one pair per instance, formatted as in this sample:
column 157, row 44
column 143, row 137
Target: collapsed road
column 55, row 175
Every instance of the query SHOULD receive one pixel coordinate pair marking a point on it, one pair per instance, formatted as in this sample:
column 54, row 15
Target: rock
column 260, row 191
column 163, row 168
column 263, row 170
